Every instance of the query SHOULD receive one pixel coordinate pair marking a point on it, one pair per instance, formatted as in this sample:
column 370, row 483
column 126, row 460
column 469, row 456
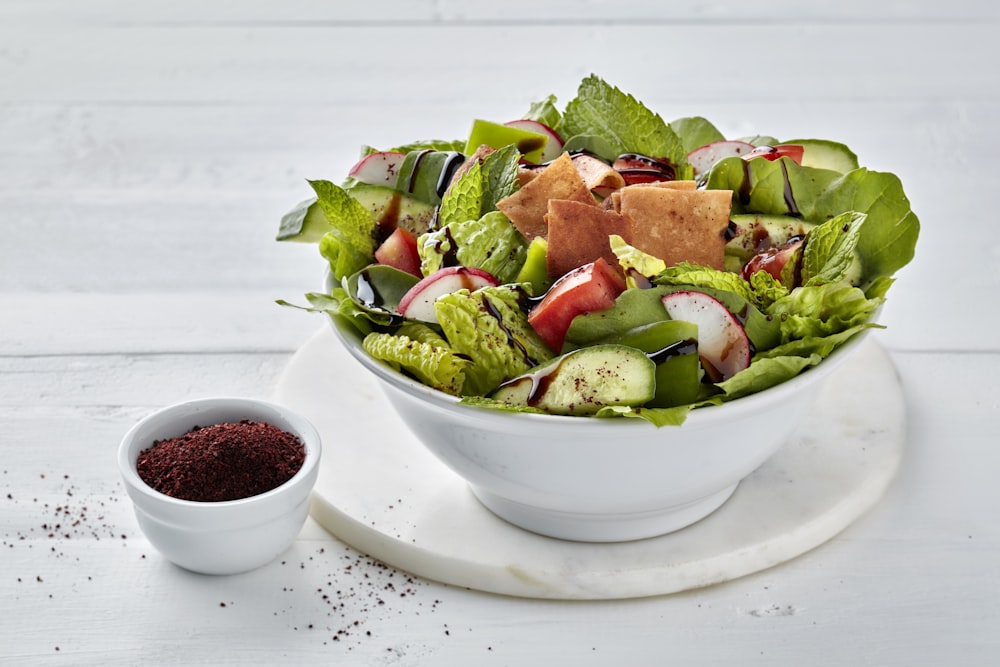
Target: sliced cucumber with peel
column 673, row 346
column 823, row 154
column 583, row 381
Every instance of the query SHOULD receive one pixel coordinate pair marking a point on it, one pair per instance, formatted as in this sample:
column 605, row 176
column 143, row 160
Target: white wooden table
column 147, row 151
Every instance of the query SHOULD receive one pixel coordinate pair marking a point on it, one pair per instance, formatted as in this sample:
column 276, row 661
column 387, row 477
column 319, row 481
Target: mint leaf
column 481, row 187
column 829, row 249
column 350, row 244
column 604, row 111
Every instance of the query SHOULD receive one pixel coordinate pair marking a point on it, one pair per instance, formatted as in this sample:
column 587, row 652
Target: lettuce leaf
column 490, row 243
column 350, row 244
column 778, row 187
column 889, row 236
column 489, row 328
column 603, row 111
column 821, row 310
column 764, row 373
column 632, row 260
column 420, row 352
column 545, row 112
column 887, row 240
column 695, row 132
column 478, row 190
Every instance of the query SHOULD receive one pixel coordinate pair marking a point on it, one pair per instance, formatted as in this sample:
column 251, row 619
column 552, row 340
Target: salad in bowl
column 595, row 260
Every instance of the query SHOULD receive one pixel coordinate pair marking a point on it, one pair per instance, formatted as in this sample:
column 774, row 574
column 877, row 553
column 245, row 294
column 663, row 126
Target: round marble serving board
column 383, row 493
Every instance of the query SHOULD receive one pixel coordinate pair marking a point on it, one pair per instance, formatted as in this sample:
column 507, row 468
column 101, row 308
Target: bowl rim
column 303, row 429
column 348, row 338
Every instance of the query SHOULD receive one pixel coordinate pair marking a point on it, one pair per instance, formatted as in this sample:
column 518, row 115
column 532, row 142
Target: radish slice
column 553, row 147
column 378, row 168
column 723, row 345
column 418, row 302
column 702, row 159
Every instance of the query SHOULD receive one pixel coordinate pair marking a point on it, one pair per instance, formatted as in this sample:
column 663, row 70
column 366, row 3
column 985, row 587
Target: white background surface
column 147, row 151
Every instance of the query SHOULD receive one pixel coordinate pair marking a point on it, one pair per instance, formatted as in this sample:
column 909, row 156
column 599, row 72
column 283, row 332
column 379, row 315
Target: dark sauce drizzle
column 678, row 349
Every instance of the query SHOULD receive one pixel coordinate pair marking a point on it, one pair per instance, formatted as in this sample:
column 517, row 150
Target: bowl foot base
column 619, row 527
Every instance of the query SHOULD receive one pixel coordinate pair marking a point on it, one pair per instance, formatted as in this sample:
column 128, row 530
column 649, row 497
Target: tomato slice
column 590, row 288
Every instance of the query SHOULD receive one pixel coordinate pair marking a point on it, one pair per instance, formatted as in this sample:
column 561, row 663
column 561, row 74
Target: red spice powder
column 222, row 462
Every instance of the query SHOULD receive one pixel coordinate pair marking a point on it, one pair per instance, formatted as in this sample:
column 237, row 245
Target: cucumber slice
column 583, row 381
column 393, row 209
column 756, row 232
column 673, row 346
column 823, row 154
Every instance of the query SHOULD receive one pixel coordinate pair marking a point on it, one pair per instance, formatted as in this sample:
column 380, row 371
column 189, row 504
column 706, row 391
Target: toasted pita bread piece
column 613, row 201
column 679, row 225
column 527, row 207
column 599, row 176
column 578, row 235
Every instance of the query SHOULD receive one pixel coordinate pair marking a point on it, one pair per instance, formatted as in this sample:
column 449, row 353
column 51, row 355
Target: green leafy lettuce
column 489, row 328
column 490, row 243
column 421, row 352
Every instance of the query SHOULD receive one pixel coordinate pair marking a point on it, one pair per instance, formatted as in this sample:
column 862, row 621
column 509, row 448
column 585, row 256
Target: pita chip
column 578, row 235
column 679, row 225
column 527, row 207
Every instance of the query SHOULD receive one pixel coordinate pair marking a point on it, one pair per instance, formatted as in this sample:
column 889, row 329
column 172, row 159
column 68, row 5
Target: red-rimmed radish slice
column 553, row 147
column 702, row 159
column 418, row 302
column 792, row 151
column 723, row 345
column 380, row 168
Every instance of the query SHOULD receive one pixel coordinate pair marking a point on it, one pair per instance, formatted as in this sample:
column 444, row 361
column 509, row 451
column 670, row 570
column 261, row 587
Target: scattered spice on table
column 222, row 462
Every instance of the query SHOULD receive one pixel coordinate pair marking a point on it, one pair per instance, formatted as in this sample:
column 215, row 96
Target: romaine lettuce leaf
column 489, row 327
column 490, row 243
column 764, row 373
column 350, row 244
column 419, row 351
column 821, row 345
column 478, row 190
column 821, row 310
column 685, row 273
column 601, row 110
column 632, row 260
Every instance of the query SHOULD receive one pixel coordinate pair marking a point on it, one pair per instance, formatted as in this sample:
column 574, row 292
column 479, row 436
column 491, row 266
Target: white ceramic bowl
column 225, row 537
column 600, row 480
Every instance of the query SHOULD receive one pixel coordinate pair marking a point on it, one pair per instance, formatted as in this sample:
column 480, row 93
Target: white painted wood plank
column 913, row 583
column 116, row 12
column 322, row 64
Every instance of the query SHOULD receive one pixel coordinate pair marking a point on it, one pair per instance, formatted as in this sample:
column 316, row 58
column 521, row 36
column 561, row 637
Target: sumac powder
column 222, row 462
